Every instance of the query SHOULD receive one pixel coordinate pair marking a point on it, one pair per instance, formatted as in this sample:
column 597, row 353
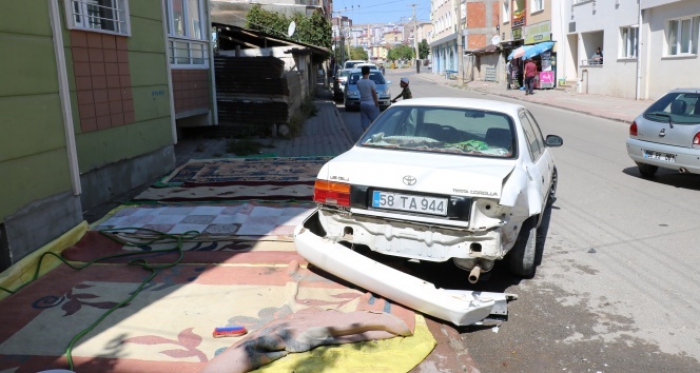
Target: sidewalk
column 614, row 108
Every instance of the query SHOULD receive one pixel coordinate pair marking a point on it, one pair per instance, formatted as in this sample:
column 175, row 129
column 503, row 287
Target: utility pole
column 460, row 49
column 415, row 37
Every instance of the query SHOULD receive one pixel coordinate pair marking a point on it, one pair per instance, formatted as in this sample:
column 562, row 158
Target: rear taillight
column 633, row 129
column 696, row 139
column 332, row 193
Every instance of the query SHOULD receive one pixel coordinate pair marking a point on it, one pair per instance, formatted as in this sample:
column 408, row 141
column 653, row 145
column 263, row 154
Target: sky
column 381, row 11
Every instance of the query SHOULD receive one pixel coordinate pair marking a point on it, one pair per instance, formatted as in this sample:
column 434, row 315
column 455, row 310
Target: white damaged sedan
column 439, row 179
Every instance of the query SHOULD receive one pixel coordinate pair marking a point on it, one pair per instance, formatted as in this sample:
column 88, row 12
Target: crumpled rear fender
column 521, row 194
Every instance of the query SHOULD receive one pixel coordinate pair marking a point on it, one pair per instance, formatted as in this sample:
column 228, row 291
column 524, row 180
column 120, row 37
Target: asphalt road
column 618, row 287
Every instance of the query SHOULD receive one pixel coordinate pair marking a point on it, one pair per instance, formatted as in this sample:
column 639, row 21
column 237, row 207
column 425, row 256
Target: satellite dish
column 495, row 40
column 290, row 30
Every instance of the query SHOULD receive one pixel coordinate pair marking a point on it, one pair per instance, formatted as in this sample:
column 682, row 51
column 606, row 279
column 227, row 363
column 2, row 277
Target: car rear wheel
column 647, row 170
column 553, row 187
column 521, row 260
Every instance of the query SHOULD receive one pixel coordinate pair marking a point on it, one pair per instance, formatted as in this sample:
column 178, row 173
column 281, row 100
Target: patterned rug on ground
column 202, row 172
column 240, row 220
column 168, row 326
column 301, row 191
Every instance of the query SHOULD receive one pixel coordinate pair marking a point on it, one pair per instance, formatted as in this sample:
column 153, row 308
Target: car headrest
column 678, row 107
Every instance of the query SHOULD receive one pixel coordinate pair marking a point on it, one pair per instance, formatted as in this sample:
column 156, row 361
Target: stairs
column 568, row 86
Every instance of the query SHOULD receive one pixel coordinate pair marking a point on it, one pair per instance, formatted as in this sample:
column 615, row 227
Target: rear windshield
column 376, row 77
column 470, row 132
column 678, row 108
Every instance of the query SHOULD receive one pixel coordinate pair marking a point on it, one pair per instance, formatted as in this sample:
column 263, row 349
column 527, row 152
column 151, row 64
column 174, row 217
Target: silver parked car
column 352, row 94
column 667, row 134
column 339, row 81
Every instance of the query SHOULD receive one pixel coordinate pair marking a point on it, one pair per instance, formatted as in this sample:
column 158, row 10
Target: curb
column 579, row 111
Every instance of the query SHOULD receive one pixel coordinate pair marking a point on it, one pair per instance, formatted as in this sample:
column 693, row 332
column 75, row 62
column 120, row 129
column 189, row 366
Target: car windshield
column 344, row 73
column 471, row 132
column 679, row 108
column 376, row 77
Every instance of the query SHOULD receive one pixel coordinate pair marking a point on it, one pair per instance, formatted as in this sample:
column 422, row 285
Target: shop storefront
column 538, row 41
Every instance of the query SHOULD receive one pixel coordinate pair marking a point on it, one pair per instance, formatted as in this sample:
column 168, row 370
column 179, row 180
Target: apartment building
column 648, row 46
column 444, row 47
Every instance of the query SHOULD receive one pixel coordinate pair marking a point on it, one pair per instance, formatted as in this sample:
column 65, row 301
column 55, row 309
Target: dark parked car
column 339, row 83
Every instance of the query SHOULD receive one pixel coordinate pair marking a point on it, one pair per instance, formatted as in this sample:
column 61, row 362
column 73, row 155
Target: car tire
column 646, row 170
column 553, row 188
column 521, row 261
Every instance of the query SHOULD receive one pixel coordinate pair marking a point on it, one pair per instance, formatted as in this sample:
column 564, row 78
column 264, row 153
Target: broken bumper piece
column 460, row 307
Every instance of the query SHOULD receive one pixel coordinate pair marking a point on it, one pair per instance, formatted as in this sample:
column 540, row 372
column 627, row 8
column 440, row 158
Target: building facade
column 444, row 48
column 90, row 102
column 644, row 46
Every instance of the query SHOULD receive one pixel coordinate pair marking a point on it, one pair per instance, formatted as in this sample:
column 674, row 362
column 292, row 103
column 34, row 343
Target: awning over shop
column 485, row 50
column 529, row 51
column 537, row 49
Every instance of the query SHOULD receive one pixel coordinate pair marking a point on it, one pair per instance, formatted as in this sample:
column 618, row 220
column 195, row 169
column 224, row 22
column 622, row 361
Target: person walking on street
column 405, row 91
column 509, row 73
column 369, row 103
column 530, row 73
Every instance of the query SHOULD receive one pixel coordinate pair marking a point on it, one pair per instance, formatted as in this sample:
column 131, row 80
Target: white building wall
column 665, row 72
column 598, row 24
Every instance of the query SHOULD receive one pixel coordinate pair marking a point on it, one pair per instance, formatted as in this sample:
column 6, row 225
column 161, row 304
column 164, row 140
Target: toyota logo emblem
column 662, row 133
column 409, row 180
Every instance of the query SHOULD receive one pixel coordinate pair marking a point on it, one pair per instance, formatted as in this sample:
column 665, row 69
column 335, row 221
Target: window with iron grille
column 630, row 36
column 107, row 16
column 682, row 36
column 187, row 35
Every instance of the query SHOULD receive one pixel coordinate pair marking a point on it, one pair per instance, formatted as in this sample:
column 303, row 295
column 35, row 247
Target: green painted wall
column 149, row 79
column 33, row 158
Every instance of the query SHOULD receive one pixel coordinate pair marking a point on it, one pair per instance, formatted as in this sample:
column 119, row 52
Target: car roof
column 461, row 103
column 686, row 90
column 359, row 71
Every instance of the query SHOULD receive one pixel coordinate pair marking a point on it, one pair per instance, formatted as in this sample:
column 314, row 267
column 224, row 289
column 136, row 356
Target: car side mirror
column 554, row 141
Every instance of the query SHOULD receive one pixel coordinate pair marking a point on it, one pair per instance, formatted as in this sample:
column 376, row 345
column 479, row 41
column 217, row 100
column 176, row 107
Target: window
column 187, row 40
column 682, row 36
column 537, row 5
column 506, row 11
column 108, row 16
column 630, row 36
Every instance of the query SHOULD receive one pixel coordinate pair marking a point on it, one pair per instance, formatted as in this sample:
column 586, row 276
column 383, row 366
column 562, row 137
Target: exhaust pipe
column 474, row 274
column 682, row 170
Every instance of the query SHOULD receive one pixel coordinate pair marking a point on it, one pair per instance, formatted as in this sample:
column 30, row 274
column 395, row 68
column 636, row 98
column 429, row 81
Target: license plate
column 659, row 156
column 406, row 202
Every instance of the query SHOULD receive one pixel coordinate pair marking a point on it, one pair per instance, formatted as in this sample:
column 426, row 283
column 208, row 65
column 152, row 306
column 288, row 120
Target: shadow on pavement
column 668, row 177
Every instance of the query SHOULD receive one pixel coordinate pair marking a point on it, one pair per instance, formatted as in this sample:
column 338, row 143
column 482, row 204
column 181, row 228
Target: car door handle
column 542, row 179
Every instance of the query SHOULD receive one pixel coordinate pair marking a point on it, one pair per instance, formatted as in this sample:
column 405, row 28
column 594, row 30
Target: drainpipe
column 171, row 94
column 212, row 86
column 64, row 95
column 639, row 53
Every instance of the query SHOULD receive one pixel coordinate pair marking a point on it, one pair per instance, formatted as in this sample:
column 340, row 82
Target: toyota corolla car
column 454, row 180
column 667, row 134
column 352, row 94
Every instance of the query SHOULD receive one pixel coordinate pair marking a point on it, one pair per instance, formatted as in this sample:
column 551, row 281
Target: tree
column 400, row 52
column 314, row 30
column 423, row 49
column 358, row 53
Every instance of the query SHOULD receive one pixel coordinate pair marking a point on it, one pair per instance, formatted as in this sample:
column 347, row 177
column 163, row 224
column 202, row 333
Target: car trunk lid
column 421, row 172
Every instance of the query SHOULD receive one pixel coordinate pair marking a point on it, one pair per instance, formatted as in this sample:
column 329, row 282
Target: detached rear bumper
column 460, row 307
